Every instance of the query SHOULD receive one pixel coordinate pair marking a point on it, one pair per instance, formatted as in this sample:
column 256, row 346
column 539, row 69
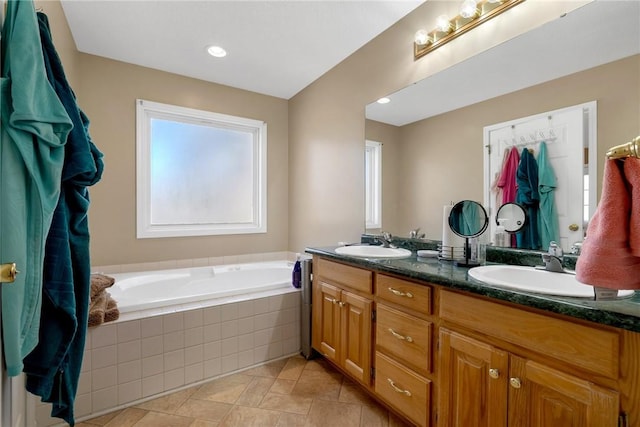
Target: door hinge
column 373, row 315
column 622, row 420
column 488, row 148
column 373, row 373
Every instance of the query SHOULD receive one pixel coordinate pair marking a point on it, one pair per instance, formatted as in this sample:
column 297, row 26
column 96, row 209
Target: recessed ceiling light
column 216, row 51
column 383, row 101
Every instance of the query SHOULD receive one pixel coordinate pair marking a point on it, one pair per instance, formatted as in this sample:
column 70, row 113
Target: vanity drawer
column 408, row 392
column 345, row 275
column 407, row 294
column 591, row 349
column 405, row 337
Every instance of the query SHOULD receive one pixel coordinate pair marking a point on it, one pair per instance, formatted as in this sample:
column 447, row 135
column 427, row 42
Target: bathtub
column 203, row 285
column 183, row 327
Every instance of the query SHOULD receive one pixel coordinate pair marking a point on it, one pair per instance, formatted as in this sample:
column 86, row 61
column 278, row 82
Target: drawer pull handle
column 494, row 373
column 398, row 389
column 400, row 293
column 515, row 382
column 400, row 337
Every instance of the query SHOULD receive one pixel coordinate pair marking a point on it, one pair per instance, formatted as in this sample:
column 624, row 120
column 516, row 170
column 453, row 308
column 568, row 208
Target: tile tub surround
column 130, row 361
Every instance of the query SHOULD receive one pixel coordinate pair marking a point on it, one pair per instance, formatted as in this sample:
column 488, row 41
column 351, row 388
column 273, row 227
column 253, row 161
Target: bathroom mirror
column 512, row 216
column 432, row 131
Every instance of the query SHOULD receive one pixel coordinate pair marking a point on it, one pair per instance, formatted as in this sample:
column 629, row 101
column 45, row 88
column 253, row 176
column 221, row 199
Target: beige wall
column 326, row 120
column 107, row 94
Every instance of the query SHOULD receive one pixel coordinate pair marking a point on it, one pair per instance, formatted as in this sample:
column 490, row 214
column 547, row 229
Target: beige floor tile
column 281, row 386
column 286, row 403
column 103, row 419
column 255, row 391
column 243, row 416
column 323, row 387
column 318, row 364
column 271, row 369
column 169, row 403
column 204, row 423
column 352, row 393
column 226, row 389
column 291, row 420
column 374, row 416
column 159, row 419
column 293, row 368
column 127, row 418
column 204, row 409
column 327, row 414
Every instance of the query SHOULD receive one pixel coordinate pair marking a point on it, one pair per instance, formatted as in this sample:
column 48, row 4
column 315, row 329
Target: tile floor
column 288, row 392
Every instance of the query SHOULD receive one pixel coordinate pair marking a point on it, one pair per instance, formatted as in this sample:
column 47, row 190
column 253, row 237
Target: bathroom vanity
column 443, row 350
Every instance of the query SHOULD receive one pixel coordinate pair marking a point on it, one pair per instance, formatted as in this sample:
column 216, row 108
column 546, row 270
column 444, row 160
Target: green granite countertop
column 623, row 313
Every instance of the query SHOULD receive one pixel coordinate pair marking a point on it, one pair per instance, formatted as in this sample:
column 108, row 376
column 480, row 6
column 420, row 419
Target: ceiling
column 275, row 47
column 597, row 33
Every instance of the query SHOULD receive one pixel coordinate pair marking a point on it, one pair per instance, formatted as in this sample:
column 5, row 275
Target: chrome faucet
column 553, row 258
column 415, row 234
column 386, row 239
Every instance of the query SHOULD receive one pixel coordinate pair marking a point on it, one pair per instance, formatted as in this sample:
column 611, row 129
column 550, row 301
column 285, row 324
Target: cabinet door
column 543, row 397
column 326, row 320
column 473, row 382
column 356, row 336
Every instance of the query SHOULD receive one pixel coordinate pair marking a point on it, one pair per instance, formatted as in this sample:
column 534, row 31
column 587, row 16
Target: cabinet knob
column 400, row 293
column 494, row 373
column 400, row 337
column 515, row 382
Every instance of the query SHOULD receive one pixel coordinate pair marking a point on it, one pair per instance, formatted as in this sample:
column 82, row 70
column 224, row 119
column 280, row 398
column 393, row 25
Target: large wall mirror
column 432, row 131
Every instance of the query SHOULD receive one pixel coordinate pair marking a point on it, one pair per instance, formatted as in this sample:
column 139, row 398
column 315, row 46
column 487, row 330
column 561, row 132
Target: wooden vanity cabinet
column 342, row 317
column 484, row 385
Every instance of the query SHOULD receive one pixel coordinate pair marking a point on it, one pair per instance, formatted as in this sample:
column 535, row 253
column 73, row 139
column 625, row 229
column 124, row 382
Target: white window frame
column 148, row 110
column 373, row 184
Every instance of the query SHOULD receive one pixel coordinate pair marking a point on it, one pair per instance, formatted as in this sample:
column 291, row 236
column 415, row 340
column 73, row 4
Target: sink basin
column 373, row 251
column 535, row 280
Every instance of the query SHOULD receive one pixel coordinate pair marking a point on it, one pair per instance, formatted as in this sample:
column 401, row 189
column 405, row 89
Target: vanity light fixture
column 472, row 14
column 216, row 51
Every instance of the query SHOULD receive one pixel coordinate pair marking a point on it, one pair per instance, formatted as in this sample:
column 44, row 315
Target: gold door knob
column 8, row 272
column 494, row 373
column 515, row 382
column 574, row 227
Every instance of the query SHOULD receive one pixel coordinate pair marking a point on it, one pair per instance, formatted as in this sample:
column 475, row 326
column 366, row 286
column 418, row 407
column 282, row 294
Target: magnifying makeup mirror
column 512, row 217
column 468, row 219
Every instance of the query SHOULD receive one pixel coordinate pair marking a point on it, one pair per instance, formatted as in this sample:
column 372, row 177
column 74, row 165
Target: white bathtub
column 203, row 285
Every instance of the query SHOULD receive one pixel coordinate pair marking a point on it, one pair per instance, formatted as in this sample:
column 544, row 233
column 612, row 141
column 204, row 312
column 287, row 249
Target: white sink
column 373, row 251
column 535, row 280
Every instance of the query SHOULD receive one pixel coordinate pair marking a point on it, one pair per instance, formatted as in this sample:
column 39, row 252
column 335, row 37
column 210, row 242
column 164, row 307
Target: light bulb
column 469, row 9
column 384, row 100
column 421, row 38
column 443, row 24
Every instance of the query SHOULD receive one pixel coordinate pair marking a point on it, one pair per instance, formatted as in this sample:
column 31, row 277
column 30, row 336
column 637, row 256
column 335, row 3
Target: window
column 199, row 173
column 373, row 184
